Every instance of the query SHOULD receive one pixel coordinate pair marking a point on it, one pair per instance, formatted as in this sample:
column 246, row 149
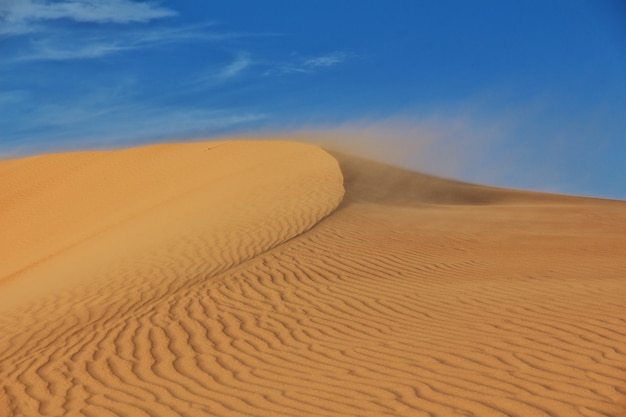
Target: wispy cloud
column 310, row 64
column 231, row 70
column 60, row 46
column 216, row 75
column 11, row 97
column 51, row 38
column 324, row 61
column 258, row 67
column 24, row 16
column 109, row 119
column 46, row 50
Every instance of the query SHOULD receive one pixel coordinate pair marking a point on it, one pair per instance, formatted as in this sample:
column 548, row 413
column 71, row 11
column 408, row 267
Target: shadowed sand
column 240, row 279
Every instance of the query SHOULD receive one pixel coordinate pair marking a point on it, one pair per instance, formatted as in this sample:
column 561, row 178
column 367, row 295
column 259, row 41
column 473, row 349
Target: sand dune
column 240, row 279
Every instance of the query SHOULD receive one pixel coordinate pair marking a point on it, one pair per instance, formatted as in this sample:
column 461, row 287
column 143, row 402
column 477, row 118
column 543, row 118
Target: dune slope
column 181, row 281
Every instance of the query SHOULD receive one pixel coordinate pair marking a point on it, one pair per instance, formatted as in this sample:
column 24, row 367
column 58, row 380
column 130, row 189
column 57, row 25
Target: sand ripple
column 417, row 296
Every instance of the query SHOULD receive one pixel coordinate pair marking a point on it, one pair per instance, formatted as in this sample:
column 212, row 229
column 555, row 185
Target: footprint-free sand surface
column 270, row 278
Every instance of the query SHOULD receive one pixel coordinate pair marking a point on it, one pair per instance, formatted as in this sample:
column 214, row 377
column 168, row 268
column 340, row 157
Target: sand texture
column 268, row 278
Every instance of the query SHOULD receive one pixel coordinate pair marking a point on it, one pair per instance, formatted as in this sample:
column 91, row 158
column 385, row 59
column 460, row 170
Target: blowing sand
column 276, row 279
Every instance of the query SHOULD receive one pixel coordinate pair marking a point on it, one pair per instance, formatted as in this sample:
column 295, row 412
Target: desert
column 277, row 278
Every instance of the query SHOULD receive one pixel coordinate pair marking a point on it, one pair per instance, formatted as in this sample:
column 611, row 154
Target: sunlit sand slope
column 213, row 203
column 95, row 244
column 417, row 296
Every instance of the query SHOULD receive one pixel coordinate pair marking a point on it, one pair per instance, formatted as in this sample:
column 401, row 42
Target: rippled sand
column 261, row 278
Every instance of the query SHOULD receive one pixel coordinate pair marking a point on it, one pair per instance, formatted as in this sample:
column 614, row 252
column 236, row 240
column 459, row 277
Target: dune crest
column 238, row 279
column 105, row 206
column 93, row 240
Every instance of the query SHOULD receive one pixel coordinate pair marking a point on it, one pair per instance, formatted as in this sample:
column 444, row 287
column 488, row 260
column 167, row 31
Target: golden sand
column 241, row 279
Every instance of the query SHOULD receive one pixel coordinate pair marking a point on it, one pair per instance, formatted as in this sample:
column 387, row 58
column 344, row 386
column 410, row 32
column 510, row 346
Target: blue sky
column 528, row 94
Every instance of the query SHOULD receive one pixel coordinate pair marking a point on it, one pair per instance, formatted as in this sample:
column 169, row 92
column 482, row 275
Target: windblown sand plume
column 275, row 279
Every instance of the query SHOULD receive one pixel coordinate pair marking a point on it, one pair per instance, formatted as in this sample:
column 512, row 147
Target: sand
column 271, row 278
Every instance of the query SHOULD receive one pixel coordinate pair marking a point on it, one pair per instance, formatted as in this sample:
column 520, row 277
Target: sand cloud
column 464, row 145
column 451, row 147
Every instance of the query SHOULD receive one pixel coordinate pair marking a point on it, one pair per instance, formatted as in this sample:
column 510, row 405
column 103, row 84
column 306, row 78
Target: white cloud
column 11, row 97
column 309, row 65
column 325, row 60
column 53, row 39
column 139, row 123
column 50, row 52
column 107, row 118
column 216, row 75
column 62, row 47
column 231, row 70
column 23, row 16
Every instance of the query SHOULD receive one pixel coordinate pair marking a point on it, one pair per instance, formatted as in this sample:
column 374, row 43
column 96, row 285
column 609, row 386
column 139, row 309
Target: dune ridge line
column 52, row 203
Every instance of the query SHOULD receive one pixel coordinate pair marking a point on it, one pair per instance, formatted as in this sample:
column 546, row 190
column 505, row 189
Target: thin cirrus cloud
column 51, row 40
column 215, row 76
column 45, row 50
column 11, row 97
column 309, row 65
column 324, row 61
column 111, row 118
column 25, row 16
column 62, row 46
column 242, row 62
column 42, row 37
column 234, row 68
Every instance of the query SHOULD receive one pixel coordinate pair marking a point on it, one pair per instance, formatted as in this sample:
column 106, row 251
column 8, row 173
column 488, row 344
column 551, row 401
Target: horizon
column 523, row 95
